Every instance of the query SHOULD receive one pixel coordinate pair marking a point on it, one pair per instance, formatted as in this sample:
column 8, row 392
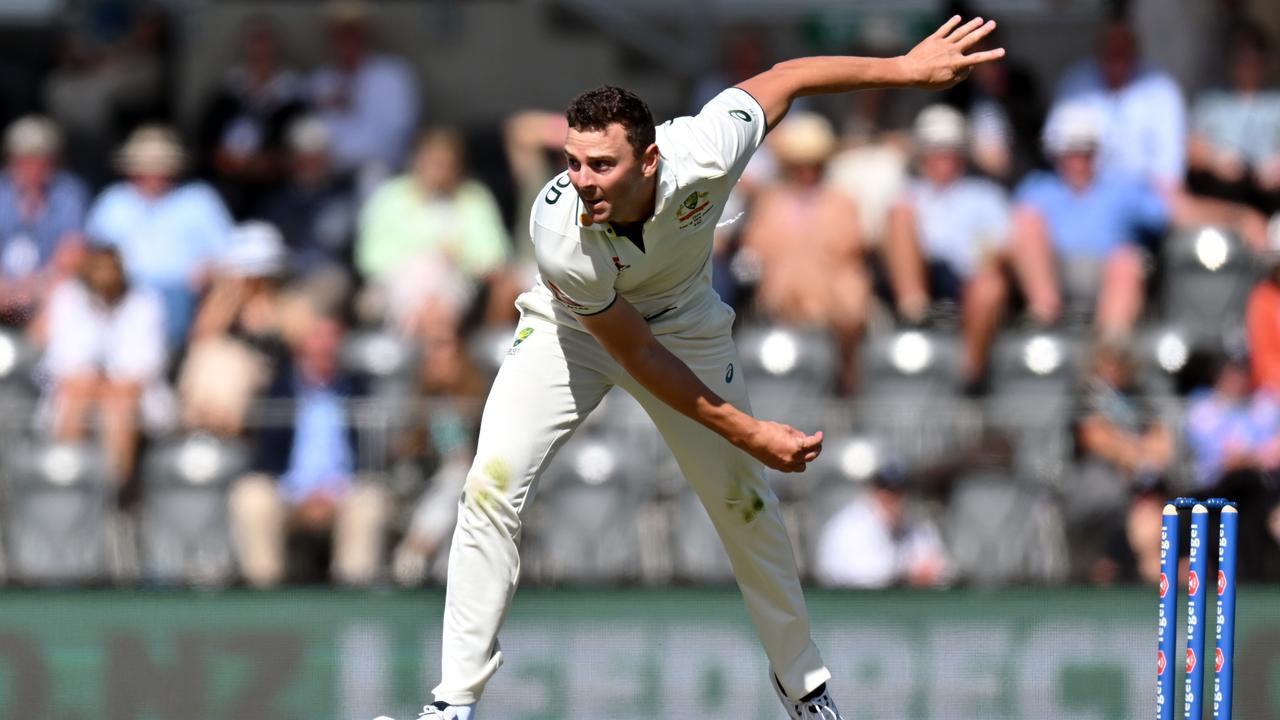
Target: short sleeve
column 725, row 133
column 578, row 280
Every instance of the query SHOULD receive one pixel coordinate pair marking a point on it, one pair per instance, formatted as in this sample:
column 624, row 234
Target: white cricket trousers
column 545, row 387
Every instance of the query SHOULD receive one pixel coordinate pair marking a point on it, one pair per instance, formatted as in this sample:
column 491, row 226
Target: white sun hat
column 32, row 135
column 152, row 149
column 257, row 250
column 940, row 127
column 803, row 138
column 1074, row 127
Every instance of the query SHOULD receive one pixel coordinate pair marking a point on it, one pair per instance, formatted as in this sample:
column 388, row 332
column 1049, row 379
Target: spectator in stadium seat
column 1234, row 151
column 872, row 167
column 1080, row 223
column 432, row 240
column 242, row 132
column 1233, row 428
column 1121, row 444
column 881, row 540
column 304, row 482
column 238, row 336
column 111, row 74
column 1145, row 130
column 315, row 209
column 41, row 218
column 1116, row 424
column 804, row 236
column 105, row 351
column 1233, row 431
column 168, row 233
column 947, row 238
column 369, row 100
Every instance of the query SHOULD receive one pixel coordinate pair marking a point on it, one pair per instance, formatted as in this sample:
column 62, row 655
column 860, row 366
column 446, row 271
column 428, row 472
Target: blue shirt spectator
column 368, row 100
column 166, row 233
column 1232, row 426
column 1144, row 117
column 315, row 454
column 41, row 212
column 322, row 460
column 30, row 235
column 1097, row 219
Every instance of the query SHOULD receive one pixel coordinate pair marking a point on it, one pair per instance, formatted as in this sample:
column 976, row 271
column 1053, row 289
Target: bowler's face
column 607, row 173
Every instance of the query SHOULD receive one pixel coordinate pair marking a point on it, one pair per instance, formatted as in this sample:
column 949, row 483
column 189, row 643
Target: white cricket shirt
column 582, row 270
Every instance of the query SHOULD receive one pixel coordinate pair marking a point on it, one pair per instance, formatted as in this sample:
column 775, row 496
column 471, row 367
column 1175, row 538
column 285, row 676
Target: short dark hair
column 599, row 108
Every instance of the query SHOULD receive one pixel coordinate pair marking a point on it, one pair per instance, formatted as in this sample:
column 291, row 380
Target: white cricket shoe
column 441, row 711
column 816, row 707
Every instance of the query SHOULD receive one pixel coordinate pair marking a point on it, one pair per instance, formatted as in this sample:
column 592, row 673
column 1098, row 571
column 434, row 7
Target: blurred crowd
column 254, row 349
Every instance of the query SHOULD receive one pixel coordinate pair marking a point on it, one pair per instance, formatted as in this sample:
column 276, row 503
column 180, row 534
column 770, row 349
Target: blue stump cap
column 1183, row 503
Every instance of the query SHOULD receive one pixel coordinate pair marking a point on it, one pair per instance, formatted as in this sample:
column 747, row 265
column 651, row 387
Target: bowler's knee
column 489, row 492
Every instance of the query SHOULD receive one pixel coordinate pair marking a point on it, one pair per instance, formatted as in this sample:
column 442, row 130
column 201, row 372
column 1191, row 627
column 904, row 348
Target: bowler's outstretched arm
column 937, row 62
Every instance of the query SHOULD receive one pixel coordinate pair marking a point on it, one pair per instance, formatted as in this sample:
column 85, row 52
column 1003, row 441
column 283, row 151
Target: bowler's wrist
column 907, row 71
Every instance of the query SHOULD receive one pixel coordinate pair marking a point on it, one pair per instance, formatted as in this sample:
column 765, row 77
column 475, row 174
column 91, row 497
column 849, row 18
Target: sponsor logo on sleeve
column 564, row 299
column 520, row 337
column 742, row 115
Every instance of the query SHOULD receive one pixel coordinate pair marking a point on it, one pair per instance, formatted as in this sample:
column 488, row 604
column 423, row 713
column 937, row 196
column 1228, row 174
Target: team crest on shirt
column 694, row 210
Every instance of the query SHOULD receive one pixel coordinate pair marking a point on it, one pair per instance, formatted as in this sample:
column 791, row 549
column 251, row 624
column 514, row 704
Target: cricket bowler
column 623, row 298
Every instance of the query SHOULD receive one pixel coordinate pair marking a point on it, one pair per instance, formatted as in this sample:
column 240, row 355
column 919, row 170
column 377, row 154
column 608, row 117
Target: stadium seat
column 184, row 526
column 583, row 526
column 18, row 390
column 1208, row 274
column 790, row 372
column 1000, row 531
column 1034, row 377
column 909, row 396
column 58, row 512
